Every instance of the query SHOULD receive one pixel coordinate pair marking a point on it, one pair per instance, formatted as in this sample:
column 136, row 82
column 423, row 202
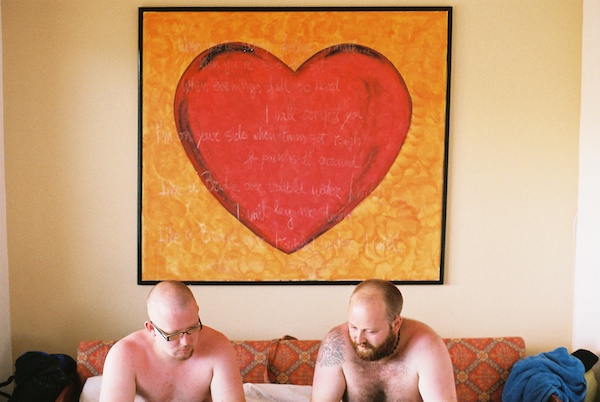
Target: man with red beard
column 380, row 356
column 174, row 358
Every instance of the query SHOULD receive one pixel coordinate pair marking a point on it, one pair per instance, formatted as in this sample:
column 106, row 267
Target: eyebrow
column 363, row 329
column 183, row 330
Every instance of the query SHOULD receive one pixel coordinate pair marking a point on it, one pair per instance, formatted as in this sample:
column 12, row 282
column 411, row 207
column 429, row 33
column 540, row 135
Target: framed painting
column 293, row 145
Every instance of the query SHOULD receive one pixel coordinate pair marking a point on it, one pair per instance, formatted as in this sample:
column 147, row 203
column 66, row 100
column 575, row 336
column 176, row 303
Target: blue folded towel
column 536, row 378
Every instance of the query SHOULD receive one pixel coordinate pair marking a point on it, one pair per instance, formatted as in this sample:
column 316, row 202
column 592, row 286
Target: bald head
column 373, row 290
column 169, row 297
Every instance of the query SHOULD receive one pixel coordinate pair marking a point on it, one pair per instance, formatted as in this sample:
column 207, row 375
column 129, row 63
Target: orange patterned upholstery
column 90, row 358
column 481, row 365
column 284, row 361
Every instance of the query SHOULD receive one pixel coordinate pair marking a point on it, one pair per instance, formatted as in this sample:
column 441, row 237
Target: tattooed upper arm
column 331, row 352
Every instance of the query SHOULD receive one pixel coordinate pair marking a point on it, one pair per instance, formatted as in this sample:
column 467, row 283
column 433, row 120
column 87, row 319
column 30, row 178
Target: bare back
column 135, row 366
column 418, row 370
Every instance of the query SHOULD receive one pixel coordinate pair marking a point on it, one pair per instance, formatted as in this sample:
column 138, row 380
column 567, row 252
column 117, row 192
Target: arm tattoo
column 331, row 352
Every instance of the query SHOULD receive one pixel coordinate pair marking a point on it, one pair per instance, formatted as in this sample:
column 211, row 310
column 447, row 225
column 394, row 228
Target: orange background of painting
column 395, row 233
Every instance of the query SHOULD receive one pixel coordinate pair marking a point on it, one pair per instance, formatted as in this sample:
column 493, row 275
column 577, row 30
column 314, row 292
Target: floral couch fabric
column 481, row 365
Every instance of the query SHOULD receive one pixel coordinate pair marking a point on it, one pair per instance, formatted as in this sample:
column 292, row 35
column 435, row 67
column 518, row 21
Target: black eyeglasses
column 179, row 334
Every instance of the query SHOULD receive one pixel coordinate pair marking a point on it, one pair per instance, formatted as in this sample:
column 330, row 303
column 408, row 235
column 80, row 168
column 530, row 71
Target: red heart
column 290, row 154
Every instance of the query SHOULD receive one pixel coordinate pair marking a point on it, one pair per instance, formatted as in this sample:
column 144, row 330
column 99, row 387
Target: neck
column 395, row 346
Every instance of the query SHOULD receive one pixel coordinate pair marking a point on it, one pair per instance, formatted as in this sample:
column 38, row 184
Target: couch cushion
column 279, row 361
column 482, row 365
column 292, row 362
column 252, row 357
column 90, row 358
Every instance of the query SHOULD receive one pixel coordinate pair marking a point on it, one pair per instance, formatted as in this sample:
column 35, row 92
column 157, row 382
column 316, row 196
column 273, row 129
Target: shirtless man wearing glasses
column 378, row 355
column 174, row 358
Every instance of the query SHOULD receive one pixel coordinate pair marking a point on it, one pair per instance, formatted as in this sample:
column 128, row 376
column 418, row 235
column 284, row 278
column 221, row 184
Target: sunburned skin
column 168, row 379
column 196, row 364
column 389, row 379
column 371, row 359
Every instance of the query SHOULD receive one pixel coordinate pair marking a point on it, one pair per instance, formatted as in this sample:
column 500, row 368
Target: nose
column 360, row 337
column 184, row 340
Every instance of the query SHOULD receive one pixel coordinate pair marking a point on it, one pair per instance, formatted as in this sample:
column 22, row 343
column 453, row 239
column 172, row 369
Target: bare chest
column 375, row 382
column 162, row 385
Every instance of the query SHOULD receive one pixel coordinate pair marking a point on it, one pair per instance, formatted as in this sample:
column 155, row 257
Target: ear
column 397, row 323
column 148, row 325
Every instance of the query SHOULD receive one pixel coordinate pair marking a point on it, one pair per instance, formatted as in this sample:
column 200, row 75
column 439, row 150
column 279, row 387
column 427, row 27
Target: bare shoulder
column 429, row 354
column 329, row 381
column 216, row 335
column 216, row 339
column 334, row 348
column 419, row 332
column 216, row 351
column 121, row 366
column 131, row 345
column 215, row 346
column 422, row 342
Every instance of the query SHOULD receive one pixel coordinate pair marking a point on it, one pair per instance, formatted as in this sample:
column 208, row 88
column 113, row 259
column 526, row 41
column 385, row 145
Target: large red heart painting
column 291, row 153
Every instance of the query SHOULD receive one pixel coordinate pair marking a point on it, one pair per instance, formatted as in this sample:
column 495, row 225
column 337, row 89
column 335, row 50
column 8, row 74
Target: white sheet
column 91, row 390
column 254, row 392
column 277, row 392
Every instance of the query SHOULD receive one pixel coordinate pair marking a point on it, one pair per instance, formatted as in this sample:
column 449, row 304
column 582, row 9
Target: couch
column 481, row 365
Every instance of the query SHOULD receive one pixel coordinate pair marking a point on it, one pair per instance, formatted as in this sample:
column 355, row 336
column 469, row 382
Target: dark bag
column 4, row 384
column 41, row 377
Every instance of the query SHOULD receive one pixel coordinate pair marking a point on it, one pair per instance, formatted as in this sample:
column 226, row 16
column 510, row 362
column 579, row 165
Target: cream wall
column 70, row 109
column 6, row 364
column 587, row 279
